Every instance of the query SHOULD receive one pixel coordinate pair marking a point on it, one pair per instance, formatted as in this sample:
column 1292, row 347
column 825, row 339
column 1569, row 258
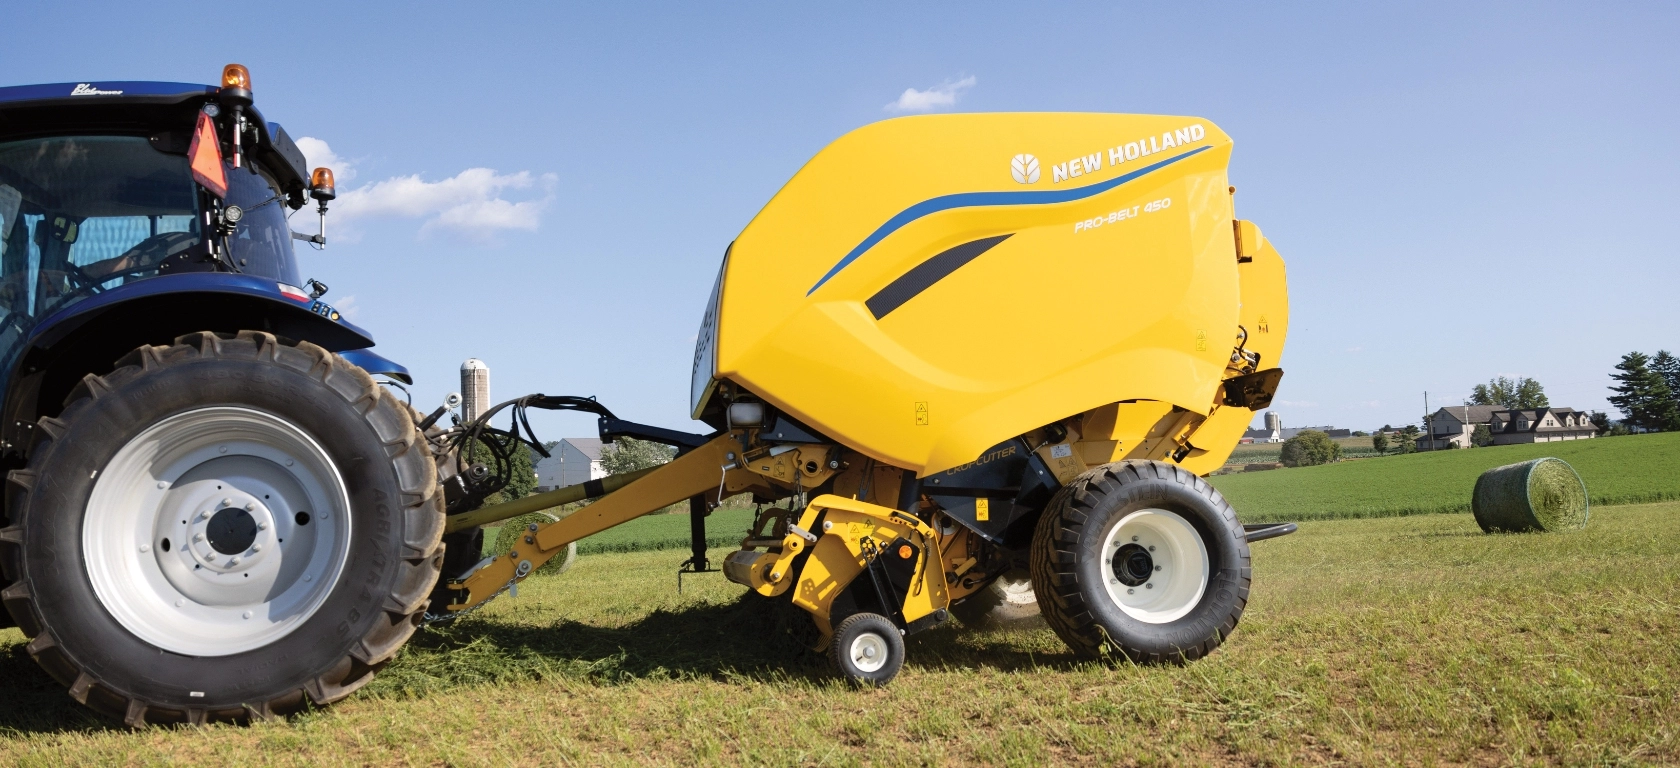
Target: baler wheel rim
column 1177, row 555
column 868, row 651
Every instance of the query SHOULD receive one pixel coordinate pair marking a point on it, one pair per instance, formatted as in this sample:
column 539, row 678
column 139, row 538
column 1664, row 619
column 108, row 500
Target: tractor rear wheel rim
column 1154, row 565
column 869, row 652
column 216, row 531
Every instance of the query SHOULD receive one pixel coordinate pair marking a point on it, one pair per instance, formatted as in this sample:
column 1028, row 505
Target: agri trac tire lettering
column 393, row 558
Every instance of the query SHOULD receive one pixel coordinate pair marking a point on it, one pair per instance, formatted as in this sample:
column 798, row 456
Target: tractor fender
column 375, row 363
column 175, row 296
column 90, row 335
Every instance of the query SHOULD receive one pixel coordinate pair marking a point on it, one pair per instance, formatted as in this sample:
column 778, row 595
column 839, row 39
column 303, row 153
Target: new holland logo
column 1024, row 168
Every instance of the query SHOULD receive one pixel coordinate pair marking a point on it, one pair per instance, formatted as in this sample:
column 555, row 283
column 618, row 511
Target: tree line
column 1647, row 391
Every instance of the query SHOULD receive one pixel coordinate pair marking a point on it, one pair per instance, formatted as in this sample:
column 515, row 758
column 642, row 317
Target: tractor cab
column 98, row 192
column 134, row 212
column 83, row 214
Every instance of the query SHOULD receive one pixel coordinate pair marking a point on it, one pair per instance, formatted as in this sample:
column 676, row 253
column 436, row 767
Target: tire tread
column 423, row 521
column 1053, row 559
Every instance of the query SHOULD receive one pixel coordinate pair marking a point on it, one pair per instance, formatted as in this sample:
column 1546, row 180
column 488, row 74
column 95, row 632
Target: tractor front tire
column 227, row 528
column 1143, row 559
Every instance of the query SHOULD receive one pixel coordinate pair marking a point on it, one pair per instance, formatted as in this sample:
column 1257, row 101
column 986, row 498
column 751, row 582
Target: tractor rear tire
column 227, row 528
column 1143, row 559
column 1008, row 602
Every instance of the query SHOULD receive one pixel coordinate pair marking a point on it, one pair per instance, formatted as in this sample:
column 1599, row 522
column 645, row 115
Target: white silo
column 475, row 388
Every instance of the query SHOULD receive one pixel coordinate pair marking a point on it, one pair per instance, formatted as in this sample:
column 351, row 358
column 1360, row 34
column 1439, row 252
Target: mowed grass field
column 1627, row 469
column 1617, row 470
column 1412, row 640
column 1268, row 452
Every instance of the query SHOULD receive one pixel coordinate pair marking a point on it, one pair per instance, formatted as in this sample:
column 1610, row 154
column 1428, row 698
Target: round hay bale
column 514, row 529
column 1538, row 495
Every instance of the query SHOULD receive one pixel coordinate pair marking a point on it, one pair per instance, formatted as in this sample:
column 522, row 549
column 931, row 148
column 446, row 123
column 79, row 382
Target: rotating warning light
column 236, row 76
column 236, row 87
column 321, row 184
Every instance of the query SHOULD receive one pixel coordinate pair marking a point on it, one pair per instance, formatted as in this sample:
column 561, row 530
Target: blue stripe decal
column 973, row 199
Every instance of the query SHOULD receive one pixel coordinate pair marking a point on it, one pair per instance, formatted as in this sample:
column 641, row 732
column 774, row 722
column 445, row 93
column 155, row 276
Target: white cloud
column 937, row 97
column 317, row 154
column 473, row 202
column 347, row 306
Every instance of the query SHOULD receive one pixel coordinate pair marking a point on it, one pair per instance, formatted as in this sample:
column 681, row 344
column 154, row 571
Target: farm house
column 575, row 460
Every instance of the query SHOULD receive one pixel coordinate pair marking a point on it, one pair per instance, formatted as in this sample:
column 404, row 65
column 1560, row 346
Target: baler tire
column 205, row 399
column 1081, row 599
column 1006, row 602
column 867, row 650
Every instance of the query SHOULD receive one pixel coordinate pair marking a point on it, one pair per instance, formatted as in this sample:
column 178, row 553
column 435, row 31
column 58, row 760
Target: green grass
column 1397, row 641
column 724, row 527
column 1617, row 470
column 1269, row 452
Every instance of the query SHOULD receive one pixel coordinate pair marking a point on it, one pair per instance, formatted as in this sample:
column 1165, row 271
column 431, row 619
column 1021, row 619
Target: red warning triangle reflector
column 206, row 156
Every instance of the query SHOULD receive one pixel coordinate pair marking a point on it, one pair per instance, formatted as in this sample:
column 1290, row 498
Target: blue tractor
column 213, row 509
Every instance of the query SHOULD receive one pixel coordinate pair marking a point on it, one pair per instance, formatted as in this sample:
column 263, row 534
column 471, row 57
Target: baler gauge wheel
column 867, row 649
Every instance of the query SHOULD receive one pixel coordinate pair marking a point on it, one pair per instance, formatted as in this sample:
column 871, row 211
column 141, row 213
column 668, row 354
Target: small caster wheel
column 867, row 650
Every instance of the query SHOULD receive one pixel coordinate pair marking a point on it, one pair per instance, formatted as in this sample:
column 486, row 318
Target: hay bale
column 1539, row 495
column 514, row 529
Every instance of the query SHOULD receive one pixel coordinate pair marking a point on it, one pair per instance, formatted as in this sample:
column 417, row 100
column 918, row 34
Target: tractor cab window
column 262, row 242
column 82, row 214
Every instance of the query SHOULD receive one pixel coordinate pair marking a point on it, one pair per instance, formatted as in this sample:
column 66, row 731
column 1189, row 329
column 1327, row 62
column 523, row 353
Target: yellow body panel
column 1118, row 280
column 1265, row 315
column 837, row 558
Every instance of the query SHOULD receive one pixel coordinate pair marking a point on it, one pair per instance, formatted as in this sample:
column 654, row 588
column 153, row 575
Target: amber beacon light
column 235, row 95
column 321, row 188
column 236, row 76
column 321, row 184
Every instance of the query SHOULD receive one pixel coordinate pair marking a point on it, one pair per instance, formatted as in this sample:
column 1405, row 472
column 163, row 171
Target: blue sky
column 1461, row 190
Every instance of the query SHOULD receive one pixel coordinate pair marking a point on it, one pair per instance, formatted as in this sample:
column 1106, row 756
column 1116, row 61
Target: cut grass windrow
column 1397, row 641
